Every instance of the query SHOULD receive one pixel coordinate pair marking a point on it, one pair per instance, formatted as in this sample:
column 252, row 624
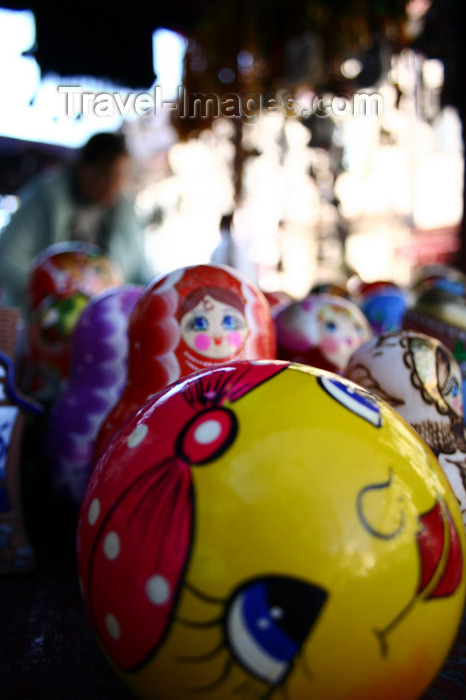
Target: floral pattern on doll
column 439, row 381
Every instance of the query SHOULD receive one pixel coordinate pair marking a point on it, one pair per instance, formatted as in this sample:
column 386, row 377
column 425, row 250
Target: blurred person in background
column 82, row 201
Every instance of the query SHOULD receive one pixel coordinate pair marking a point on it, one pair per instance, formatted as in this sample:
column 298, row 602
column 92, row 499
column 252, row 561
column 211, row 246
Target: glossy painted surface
column 322, row 330
column 274, row 531
column 193, row 318
column 63, row 279
column 420, row 378
column 64, row 269
column 384, row 305
column 98, row 367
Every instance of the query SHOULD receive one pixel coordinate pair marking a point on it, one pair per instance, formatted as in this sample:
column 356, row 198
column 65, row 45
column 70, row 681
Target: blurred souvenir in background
column 322, row 330
column 445, row 277
column 278, row 299
column 195, row 317
column 441, row 314
column 384, row 305
column 63, row 278
column 231, row 531
column 16, row 553
column 330, row 288
column 98, row 367
column 420, row 378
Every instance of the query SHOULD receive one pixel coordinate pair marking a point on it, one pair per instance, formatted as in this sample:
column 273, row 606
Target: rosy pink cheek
column 234, row 339
column 202, row 341
column 329, row 344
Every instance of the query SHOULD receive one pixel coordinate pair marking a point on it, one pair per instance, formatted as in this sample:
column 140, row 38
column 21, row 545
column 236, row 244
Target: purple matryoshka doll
column 99, row 353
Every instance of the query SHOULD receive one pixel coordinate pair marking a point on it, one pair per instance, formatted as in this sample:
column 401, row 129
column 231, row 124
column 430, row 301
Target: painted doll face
column 222, row 558
column 213, row 328
column 339, row 334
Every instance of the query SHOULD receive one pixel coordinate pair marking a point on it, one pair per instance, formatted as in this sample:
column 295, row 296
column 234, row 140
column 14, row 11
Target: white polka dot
column 94, row 512
column 112, row 545
column 158, row 590
column 207, row 432
column 138, row 435
column 276, row 613
column 113, row 626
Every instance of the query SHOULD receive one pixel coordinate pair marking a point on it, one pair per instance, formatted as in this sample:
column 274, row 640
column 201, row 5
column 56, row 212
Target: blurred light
column 198, row 64
column 34, row 110
column 169, row 49
column 17, row 31
column 4, row 218
column 226, row 75
column 245, row 59
column 416, row 9
column 351, row 68
column 438, row 190
column 10, row 203
column 433, row 73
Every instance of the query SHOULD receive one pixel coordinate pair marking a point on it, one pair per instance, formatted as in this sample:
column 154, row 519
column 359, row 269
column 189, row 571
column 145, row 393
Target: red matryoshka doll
column 191, row 319
column 322, row 330
column 16, row 552
column 63, row 278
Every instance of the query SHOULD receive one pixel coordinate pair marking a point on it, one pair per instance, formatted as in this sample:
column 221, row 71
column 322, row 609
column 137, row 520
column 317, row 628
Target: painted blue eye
column 200, row 323
column 268, row 621
column 229, row 322
column 330, row 326
column 356, row 400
